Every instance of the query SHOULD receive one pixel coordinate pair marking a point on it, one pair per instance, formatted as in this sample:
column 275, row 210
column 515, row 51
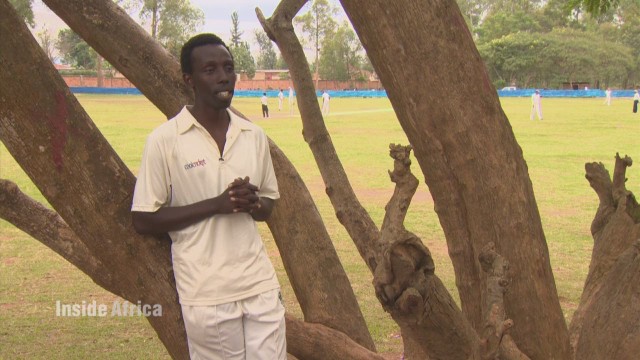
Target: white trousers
column 536, row 109
column 251, row 329
column 325, row 108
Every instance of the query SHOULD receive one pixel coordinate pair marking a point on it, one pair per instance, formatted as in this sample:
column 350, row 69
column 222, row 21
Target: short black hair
column 194, row 42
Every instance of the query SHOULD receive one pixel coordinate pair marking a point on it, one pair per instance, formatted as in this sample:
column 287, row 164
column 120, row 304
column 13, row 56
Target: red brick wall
column 92, row 81
column 322, row 85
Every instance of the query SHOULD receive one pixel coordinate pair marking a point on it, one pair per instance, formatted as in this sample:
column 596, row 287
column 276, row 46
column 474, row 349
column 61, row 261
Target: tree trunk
column 49, row 134
column 609, row 307
column 439, row 89
column 99, row 72
column 296, row 224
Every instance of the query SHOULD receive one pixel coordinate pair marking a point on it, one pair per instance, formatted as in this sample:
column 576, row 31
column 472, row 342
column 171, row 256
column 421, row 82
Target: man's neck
column 210, row 117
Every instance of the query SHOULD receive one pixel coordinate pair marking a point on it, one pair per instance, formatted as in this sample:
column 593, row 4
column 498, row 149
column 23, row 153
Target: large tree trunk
column 439, row 89
column 54, row 140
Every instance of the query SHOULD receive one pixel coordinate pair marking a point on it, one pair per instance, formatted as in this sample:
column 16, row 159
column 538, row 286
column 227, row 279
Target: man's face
column 213, row 77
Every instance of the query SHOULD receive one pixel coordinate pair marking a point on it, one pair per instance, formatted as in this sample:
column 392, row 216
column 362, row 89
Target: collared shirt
column 221, row 258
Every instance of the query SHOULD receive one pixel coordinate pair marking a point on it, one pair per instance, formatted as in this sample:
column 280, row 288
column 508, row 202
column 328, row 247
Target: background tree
column 341, row 55
column 551, row 44
column 474, row 12
column 74, row 50
column 24, row 10
column 316, row 23
column 47, row 43
column 241, row 50
column 504, row 23
column 172, row 22
column 548, row 60
column 236, row 34
column 267, row 58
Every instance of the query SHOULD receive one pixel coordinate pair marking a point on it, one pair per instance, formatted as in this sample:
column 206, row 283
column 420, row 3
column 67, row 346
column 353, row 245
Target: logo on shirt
column 194, row 164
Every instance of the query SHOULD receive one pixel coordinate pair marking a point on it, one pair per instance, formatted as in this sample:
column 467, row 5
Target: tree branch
column 406, row 285
column 348, row 209
column 600, row 182
column 621, row 195
column 310, row 341
column 48, row 227
column 614, row 229
column 406, row 185
column 495, row 342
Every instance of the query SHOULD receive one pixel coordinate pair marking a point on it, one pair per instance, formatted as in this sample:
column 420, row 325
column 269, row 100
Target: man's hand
column 243, row 195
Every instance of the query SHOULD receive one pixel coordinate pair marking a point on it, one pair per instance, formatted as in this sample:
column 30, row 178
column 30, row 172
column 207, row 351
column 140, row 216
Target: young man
column 607, row 95
column 325, row 103
column 292, row 100
column 536, row 105
column 265, row 105
column 206, row 177
column 280, row 100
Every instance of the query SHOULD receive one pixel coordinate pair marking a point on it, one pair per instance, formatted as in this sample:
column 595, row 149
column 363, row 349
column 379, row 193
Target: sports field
column 574, row 131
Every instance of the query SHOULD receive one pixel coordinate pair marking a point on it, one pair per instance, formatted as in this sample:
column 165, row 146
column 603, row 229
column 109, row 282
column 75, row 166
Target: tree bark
column 439, row 89
column 48, row 227
column 318, row 342
column 296, row 224
column 610, row 326
column 615, row 229
column 54, row 141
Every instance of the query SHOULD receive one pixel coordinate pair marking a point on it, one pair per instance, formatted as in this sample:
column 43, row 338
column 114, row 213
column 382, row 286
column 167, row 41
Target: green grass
column 574, row 131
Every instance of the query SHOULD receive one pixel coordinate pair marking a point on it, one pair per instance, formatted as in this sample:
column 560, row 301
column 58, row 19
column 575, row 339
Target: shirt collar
column 186, row 120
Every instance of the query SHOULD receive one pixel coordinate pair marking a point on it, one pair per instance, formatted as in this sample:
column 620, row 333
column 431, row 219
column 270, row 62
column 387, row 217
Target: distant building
column 576, row 85
column 62, row 67
column 266, row 75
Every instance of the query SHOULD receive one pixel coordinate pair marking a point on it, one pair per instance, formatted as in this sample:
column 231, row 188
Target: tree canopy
column 24, row 10
column 74, row 50
column 543, row 44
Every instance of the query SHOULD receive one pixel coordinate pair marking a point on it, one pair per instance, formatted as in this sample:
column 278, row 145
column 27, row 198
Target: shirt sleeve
column 153, row 186
column 269, row 185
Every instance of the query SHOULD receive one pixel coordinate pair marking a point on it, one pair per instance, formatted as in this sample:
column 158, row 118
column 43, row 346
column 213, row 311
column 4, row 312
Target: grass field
column 574, row 131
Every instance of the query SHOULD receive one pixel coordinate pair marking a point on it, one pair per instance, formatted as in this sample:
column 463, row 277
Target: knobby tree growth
column 468, row 156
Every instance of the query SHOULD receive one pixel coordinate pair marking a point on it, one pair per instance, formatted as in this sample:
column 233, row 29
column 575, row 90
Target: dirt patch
column 10, row 261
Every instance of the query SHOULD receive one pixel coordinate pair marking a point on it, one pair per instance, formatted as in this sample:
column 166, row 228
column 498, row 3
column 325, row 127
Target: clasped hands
column 243, row 195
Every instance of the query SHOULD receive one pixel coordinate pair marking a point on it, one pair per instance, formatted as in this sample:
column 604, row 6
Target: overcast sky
column 217, row 16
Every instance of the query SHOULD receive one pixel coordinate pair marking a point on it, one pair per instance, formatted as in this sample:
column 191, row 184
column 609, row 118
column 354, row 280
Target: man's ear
column 187, row 80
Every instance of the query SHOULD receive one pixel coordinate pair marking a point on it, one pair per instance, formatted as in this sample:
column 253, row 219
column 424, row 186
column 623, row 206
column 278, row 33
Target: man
column 536, row 105
column 206, row 177
column 607, row 94
column 325, row 103
column 292, row 100
column 265, row 105
column 636, row 99
column 280, row 100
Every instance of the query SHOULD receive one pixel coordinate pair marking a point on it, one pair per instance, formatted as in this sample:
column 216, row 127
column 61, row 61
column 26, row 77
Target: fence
column 92, row 81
